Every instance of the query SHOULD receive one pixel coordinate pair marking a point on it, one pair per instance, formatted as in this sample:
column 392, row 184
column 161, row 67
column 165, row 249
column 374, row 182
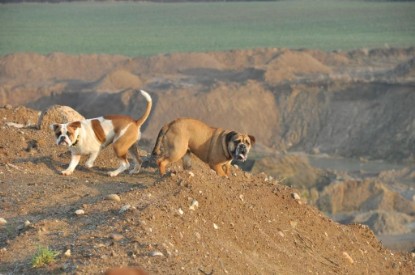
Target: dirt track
column 247, row 224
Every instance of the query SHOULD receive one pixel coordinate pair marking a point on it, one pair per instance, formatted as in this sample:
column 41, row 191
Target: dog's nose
column 61, row 138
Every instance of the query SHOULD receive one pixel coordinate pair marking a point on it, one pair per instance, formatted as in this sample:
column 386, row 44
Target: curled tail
column 159, row 142
column 144, row 117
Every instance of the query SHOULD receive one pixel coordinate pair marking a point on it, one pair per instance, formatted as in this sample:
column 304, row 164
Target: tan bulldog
column 215, row 146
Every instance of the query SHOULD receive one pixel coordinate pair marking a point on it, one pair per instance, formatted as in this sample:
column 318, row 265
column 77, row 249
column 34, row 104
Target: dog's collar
column 76, row 141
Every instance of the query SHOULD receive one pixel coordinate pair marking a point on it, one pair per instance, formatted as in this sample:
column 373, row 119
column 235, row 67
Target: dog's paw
column 113, row 174
column 89, row 165
column 66, row 172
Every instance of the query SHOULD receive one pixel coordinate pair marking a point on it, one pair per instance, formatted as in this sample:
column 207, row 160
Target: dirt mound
column 369, row 202
column 118, row 80
column 224, row 106
column 58, row 114
column 292, row 170
column 404, row 70
column 37, row 68
column 176, row 62
column 384, row 222
column 187, row 222
column 288, row 65
column 19, row 115
column 366, row 195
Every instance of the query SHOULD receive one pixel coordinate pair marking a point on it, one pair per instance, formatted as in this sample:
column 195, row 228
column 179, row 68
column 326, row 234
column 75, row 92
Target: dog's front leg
column 74, row 162
column 218, row 169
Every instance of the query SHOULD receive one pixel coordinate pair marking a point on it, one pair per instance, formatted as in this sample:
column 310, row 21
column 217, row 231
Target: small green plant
column 44, row 256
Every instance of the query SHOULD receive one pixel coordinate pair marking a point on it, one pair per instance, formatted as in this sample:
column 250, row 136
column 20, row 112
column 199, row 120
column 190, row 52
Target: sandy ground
column 183, row 223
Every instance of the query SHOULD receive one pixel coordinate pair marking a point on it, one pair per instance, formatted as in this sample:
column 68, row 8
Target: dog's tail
column 144, row 117
column 157, row 147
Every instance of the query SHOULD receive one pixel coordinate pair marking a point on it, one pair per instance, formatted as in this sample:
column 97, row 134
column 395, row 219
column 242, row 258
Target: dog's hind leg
column 120, row 149
column 137, row 160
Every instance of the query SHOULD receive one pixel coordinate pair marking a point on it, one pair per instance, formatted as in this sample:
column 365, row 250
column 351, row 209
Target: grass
column 44, row 256
column 137, row 29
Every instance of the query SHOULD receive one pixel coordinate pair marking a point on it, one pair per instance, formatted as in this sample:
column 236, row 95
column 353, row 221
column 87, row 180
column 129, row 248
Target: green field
column 135, row 29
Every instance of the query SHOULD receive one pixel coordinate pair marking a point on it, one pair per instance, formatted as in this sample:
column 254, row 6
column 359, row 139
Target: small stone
column 67, row 253
column 113, row 197
column 3, row 221
column 27, row 223
column 194, row 205
column 79, row 212
column 191, row 174
column 180, row 211
column 347, row 256
column 293, row 224
column 124, row 208
column 281, row 234
column 8, row 107
column 156, row 253
column 295, row 196
column 215, row 226
column 116, row 237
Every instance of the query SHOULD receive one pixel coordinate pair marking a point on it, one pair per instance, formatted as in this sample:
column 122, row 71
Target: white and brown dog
column 89, row 136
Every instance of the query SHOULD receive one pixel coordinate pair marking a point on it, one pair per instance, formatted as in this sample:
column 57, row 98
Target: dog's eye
column 58, row 134
column 248, row 143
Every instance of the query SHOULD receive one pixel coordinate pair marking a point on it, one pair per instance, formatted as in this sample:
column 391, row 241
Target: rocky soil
column 189, row 222
column 355, row 105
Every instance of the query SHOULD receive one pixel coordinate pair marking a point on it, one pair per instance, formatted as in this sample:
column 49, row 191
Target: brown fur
column 99, row 132
column 214, row 146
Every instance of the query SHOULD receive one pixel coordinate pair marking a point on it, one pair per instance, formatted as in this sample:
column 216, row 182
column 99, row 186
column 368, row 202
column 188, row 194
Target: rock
column 113, row 197
column 347, row 256
column 180, row 211
column 191, row 174
column 79, row 212
column 58, row 114
column 8, row 107
column 67, row 253
column 194, row 205
column 27, row 223
column 215, row 226
column 3, row 221
column 295, row 196
column 15, row 125
column 156, row 253
column 124, row 208
column 116, row 237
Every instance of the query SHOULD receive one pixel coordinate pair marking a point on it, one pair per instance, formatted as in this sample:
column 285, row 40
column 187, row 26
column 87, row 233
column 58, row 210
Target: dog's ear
column 54, row 126
column 252, row 138
column 230, row 135
column 74, row 125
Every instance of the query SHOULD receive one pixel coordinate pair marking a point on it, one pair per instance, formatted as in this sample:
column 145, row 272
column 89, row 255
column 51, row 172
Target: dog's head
column 66, row 134
column 239, row 145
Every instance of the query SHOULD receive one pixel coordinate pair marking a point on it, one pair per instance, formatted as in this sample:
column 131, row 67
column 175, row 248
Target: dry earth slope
column 184, row 223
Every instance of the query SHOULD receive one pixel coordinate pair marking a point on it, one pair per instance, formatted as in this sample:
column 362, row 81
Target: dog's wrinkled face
column 239, row 145
column 66, row 134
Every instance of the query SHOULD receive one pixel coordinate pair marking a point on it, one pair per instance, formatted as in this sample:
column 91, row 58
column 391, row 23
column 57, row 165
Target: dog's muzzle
column 62, row 141
column 241, row 152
